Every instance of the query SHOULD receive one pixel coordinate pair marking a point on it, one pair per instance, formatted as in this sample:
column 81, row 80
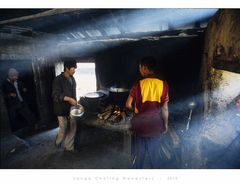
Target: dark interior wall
column 179, row 62
column 23, row 66
column 44, row 73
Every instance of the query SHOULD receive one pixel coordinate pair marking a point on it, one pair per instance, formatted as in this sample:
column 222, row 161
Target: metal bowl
column 76, row 111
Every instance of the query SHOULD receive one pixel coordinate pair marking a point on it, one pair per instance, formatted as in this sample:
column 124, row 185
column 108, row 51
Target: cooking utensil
column 118, row 95
column 93, row 101
column 191, row 106
column 94, row 95
column 115, row 89
column 76, row 111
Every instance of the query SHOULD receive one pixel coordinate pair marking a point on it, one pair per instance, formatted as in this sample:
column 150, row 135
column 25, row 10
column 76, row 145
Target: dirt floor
column 98, row 148
column 95, row 149
column 38, row 152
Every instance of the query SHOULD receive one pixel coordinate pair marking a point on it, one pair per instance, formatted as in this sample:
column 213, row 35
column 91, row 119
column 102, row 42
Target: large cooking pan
column 118, row 95
column 93, row 101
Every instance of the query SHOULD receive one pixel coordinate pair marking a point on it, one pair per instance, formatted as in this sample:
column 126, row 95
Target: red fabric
column 148, row 122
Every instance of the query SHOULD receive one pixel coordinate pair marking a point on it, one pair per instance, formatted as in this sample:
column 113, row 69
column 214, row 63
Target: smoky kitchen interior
column 197, row 53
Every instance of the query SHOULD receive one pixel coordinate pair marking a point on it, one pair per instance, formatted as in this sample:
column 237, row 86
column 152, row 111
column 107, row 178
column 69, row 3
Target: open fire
column 114, row 114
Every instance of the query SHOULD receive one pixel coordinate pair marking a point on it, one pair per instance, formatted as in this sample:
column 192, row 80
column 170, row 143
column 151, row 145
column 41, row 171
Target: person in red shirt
column 148, row 99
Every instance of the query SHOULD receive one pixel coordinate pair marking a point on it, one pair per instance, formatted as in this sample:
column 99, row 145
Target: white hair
column 12, row 72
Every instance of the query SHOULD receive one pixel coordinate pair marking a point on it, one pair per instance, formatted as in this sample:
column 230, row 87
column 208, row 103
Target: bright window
column 85, row 77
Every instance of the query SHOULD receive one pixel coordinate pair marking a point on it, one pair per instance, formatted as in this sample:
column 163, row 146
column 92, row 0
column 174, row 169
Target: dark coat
column 8, row 87
column 61, row 88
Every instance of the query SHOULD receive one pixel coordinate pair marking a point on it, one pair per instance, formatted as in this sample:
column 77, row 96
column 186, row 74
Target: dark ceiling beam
column 16, row 30
column 150, row 36
column 13, row 37
column 39, row 15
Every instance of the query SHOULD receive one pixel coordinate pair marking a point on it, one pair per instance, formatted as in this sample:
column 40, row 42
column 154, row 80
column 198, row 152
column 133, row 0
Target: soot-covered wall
column 221, row 52
column 220, row 135
column 179, row 62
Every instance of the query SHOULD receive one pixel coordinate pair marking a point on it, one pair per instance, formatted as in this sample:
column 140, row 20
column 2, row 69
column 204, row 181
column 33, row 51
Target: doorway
column 85, row 76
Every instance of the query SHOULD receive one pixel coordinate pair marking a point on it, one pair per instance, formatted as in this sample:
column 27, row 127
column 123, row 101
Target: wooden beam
column 7, row 36
column 39, row 15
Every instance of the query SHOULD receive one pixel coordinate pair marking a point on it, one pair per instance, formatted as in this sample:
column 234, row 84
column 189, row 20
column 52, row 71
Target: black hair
column 69, row 63
column 150, row 62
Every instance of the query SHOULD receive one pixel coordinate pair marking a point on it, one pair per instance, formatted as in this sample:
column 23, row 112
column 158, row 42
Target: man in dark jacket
column 14, row 93
column 64, row 96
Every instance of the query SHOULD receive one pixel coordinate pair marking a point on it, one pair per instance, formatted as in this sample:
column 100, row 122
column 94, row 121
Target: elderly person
column 14, row 93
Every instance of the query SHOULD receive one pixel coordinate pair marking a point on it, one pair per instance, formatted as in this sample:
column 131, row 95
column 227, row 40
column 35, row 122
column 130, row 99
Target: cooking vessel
column 93, row 101
column 94, row 95
column 118, row 95
column 118, row 90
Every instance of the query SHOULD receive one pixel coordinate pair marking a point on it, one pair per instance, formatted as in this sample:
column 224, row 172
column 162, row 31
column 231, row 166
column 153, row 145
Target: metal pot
column 118, row 95
column 114, row 89
column 92, row 101
column 94, row 95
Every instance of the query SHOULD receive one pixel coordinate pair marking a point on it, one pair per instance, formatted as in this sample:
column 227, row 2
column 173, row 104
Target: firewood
column 104, row 114
column 107, row 115
column 112, row 117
